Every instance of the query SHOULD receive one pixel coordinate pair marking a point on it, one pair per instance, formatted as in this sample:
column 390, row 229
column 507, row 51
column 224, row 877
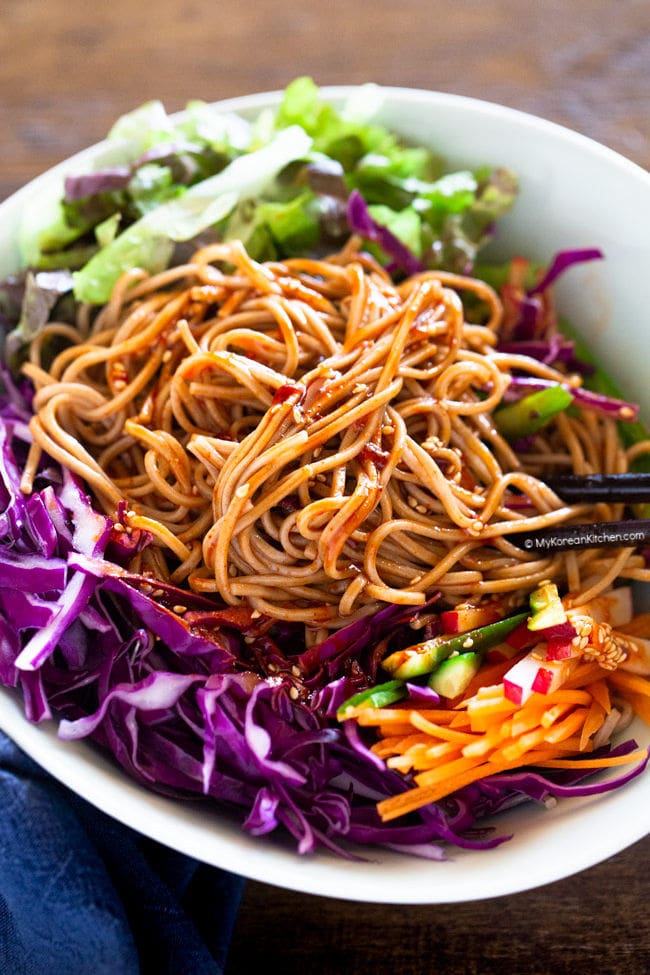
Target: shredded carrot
column 553, row 713
column 600, row 693
column 640, row 705
column 438, row 731
column 592, row 723
column 445, row 748
column 630, row 682
column 415, row 798
column 639, row 755
column 454, row 767
column 584, row 674
column 567, row 727
column 484, row 733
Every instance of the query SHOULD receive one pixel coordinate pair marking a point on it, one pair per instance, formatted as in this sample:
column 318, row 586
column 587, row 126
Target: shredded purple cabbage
column 533, row 321
column 561, row 262
column 549, row 351
column 361, row 222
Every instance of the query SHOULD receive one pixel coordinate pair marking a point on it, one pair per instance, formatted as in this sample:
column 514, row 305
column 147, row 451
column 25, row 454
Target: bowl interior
column 574, row 193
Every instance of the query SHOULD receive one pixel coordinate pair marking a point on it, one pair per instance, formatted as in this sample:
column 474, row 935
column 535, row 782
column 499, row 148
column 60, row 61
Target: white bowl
column 574, row 193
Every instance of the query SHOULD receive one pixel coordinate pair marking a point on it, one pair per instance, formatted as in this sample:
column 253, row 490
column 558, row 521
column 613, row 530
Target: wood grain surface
column 68, row 68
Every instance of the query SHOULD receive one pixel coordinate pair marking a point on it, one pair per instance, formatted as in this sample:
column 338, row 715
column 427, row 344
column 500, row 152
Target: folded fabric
column 80, row 894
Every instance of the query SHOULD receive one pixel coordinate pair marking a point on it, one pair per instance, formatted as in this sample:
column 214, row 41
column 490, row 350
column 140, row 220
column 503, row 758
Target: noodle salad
column 303, row 506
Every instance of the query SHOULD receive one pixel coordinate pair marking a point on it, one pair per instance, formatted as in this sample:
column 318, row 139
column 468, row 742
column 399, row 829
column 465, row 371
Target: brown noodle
column 313, row 439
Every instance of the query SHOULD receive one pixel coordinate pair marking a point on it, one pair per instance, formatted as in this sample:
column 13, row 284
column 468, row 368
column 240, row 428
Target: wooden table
column 68, row 68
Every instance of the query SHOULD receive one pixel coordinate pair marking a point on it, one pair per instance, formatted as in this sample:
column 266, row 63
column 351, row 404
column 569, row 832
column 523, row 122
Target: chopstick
column 631, row 533
column 630, row 487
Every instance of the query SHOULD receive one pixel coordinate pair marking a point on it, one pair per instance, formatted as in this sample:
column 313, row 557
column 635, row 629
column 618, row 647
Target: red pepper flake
column 373, row 454
column 285, row 392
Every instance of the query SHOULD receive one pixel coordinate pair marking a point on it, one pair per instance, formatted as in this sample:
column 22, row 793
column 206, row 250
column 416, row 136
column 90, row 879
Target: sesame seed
column 179, row 610
column 294, row 694
column 468, row 643
column 295, row 671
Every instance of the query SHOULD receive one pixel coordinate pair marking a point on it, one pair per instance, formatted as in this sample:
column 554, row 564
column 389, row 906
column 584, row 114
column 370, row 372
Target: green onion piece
column 379, row 696
column 423, row 658
column 530, row 414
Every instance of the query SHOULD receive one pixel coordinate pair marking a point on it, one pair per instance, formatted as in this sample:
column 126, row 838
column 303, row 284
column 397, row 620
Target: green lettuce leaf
column 149, row 242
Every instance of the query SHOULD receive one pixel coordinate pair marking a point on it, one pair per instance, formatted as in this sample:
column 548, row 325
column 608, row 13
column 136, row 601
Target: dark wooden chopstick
column 631, row 487
column 633, row 533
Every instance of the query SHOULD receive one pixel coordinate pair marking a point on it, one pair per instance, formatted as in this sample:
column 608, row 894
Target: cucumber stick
column 453, row 675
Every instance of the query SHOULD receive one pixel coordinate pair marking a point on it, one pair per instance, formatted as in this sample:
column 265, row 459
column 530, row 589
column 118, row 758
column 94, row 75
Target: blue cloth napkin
column 80, row 894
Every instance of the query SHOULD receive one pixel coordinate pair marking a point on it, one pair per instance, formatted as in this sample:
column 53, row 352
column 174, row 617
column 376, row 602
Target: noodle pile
column 314, row 440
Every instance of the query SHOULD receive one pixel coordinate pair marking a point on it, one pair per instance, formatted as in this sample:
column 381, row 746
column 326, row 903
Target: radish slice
column 533, row 675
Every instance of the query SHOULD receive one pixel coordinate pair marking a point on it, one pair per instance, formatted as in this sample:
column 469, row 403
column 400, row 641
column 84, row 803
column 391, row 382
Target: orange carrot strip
column 600, row 693
column 638, row 756
column 387, row 731
column 383, row 748
column 447, row 771
column 528, row 718
column 552, row 714
column 584, row 674
column 400, row 763
column 563, row 695
column 567, row 727
column 523, row 744
column 438, row 731
column 407, row 802
column 461, row 720
column 489, row 741
column 630, row 682
column 484, row 719
column 409, row 741
column 442, row 750
column 383, row 716
column 640, row 705
column 593, row 721
column 487, row 693
column 486, row 706
column 569, row 745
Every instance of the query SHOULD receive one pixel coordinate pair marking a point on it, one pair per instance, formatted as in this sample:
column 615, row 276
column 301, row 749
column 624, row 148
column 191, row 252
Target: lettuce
column 149, row 242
